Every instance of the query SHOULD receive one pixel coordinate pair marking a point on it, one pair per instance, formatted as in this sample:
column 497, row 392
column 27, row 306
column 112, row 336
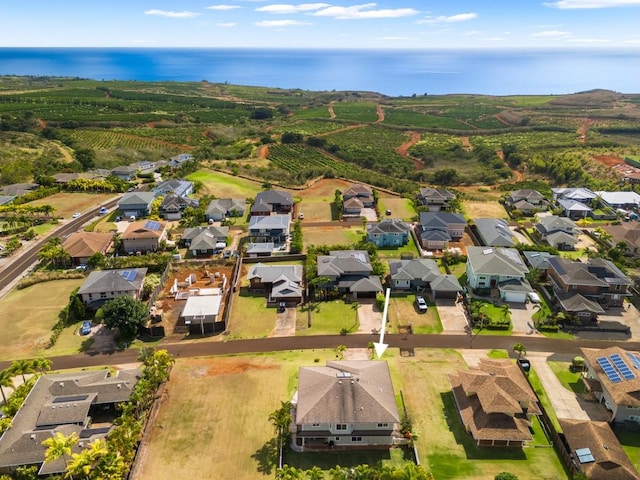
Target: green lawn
column 337, row 235
column 492, row 311
column 401, row 208
column 630, row 442
column 395, row 253
column 402, row 312
column 250, row 317
column 327, row 318
column 223, row 185
column 570, row 380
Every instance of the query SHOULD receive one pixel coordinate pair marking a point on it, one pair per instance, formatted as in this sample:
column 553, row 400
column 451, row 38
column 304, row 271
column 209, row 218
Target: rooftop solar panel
column 634, row 360
column 584, row 455
column 622, row 366
column 152, row 225
column 608, row 369
column 71, row 398
column 129, row 275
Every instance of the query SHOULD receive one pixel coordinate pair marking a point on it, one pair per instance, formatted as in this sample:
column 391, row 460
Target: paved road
column 196, row 348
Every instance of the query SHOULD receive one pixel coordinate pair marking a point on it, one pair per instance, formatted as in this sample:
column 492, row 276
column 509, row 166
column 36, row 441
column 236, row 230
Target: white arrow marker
column 380, row 346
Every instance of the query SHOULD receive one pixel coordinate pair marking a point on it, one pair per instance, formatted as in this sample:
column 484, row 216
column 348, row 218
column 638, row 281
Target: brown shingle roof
column 626, row 392
column 85, row 244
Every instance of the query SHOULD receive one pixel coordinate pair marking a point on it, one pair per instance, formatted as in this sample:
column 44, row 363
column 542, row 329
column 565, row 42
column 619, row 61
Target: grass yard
column 402, row 312
column 630, row 442
column 223, row 185
column 401, row 208
column 327, row 318
column 443, row 445
column 27, row 317
column 483, row 209
column 316, row 211
column 570, row 380
column 396, row 253
column 250, row 317
column 337, row 235
column 66, row 203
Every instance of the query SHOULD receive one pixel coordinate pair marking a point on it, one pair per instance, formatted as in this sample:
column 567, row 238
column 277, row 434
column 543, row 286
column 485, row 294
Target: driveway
column 369, row 317
column 452, row 316
column 370, row 214
column 521, row 318
column 519, row 236
column 628, row 315
column 285, row 323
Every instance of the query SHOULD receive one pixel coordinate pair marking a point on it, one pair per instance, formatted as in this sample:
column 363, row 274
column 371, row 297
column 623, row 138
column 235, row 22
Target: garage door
column 518, row 297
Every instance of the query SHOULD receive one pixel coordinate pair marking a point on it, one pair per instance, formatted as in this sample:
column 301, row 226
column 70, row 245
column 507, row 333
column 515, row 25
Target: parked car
column 103, row 210
column 387, row 212
column 421, row 304
column 301, row 215
column 85, row 329
column 226, row 254
column 282, row 306
column 534, row 297
column 82, row 267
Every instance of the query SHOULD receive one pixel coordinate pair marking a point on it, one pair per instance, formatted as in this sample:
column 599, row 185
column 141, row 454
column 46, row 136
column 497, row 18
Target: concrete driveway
column 285, row 324
column 452, row 316
column 628, row 315
column 369, row 317
column 521, row 318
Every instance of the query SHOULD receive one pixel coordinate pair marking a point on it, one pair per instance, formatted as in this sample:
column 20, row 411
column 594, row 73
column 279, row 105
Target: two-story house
column 173, row 206
column 437, row 229
column 494, row 232
column 349, row 271
column 178, row 187
column 526, row 201
column 390, row 232
column 283, row 283
column 435, row 199
column 498, row 268
column 558, row 232
column 269, row 229
column 355, row 198
column 204, row 240
column 136, row 204
column 143, row 236
column 344, row 405
column 103, row 285
column 272, row 202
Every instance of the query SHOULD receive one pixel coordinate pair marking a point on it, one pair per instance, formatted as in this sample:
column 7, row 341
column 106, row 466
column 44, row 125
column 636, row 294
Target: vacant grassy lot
column 66, row 203
column 223, row 185
column 402, row 312
column 200, row 413
column 27, row 316
column 331, row 235
column 483, row 209
column 327, row 318
column 400, row 207
column 250, row 317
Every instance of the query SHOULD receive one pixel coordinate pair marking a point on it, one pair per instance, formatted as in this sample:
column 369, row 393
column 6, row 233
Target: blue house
column 390, row 232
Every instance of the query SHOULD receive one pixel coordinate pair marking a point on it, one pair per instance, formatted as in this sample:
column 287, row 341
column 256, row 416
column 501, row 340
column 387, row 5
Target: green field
column 223, row 185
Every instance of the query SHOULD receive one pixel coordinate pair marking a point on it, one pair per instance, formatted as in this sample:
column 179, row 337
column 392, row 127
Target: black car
column 282, row 306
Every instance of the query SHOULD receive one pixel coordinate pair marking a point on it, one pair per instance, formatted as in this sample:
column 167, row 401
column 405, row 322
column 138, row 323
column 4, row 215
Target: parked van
column 132, row 218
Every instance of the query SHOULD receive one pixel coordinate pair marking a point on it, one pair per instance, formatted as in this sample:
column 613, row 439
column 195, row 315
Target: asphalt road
column 194, row 347
column 27, row 257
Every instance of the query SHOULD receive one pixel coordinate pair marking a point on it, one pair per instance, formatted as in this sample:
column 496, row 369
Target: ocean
column 390, row 72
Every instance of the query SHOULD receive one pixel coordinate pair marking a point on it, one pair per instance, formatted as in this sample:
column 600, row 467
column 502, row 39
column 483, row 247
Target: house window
column 315, row 424
column 103, row 294
column 356, row 439
column 341, row 426
column 383, row 425
column 618, row 287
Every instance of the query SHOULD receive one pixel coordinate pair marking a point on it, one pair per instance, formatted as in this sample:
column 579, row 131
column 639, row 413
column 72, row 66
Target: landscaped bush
column 40, row 277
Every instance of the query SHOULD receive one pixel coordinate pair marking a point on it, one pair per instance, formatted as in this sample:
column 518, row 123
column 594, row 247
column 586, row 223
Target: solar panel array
column 129, row 275
column 584, row 455
column 635, row 359
column 622, row 366
column 152, row 225
column 608, row 369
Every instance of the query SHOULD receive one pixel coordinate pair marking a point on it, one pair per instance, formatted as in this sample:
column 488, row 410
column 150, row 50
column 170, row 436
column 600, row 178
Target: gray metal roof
column 113, row 281
column 496, row 261
column 270, row 273
column 494, row 232
column 270, row 222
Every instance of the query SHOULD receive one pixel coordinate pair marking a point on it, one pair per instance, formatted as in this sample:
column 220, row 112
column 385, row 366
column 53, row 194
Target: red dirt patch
column 502, row 120
column 380, row 114
column 583, row 129
column 404, row 148
column 263, row 151
column 608, row 160
column 466, row 144
column 332, row 114
column 223, row 366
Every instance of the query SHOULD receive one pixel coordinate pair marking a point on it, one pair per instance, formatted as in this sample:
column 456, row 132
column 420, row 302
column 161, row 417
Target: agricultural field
column 529, row 140
column 297, row 157
column 108, row 139
column 309, row 127
column 362, row 112
column 412, row 117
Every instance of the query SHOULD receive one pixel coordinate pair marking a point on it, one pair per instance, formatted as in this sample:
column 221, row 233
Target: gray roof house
column 553, row 223
column 137, row 204
column 6, row 199
column 344, row 405
column 537, row 260
column 179, row 187
column 532, row 197
column 272, row 202
column 177, row 160
column 630, row 200
column 283, row 283
column 103, row 285
column 494, row 232
column 579, row 194
column 18, row 189
column 350, row 272
column 434, row 198
column 220, row 208
column 437, row 229
column 498, row 268
column 125, row 172
column 422, row 274
column 205, row 240
column 269, row 229
column 573, row 208
column 63, row 403
column 260, row 249
column 172, row 206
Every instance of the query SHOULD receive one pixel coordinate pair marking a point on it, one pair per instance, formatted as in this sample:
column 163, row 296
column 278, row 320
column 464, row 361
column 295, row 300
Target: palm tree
column 537, row 309
column 505, row 310
column 316, row 473
column 20, row 367
column 340, row 349
column 59, row 446
column 42, row 365
column 6, row 380
column 354, row 307
column 82, row 463
column 520, row 349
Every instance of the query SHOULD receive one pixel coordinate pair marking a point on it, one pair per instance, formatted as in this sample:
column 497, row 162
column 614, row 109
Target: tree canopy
column 126, row 314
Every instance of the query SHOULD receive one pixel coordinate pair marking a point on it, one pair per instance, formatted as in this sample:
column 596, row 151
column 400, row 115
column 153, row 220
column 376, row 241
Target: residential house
column 349, row 271
column 390, row 232
column 579, row 194
column 283, row 283
column 538, row 261
column 81, row 245
column 533, row 197
column 255, row 250
column 362, row 192
column 270, row 229
column 574, row 209
column 496, row 403
column 498, row 268
column 136, row 204
column 627, row 232
column 623, row 200
column 66, row 403
column 272, row 202
column 436, row 199
column 612, row 375
column 103, row 285
column 558, row 232
column 584, row 288
column 18, row 189
column 437, row 229
column 205, row 240
column 344, row 405
column 143, row 236
column 173, row 206
column 423, row 274
column 178, row 187
column 125, row 172
column 221, row 208
column 596, row 451
column 6, row 199
column 494, row 232
column 177, row 160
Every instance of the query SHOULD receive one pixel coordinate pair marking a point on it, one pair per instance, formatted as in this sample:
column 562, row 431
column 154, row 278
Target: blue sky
column 330, row 24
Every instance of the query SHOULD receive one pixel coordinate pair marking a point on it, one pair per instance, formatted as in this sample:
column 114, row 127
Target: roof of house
column 17, row 189
column 136, row 198
column 626, row 391
column 60, row 403
column 84, row 244
column 201, row 306
column 494, row 232
column 440, row 220
column 192, row 232
column 123, row 280
column 526, row 194
column 553, row 223
column 144, row 229
column 619, row 198
column 339, row 262
column 573, row 205
column 579, row 193
column 6, row 199
column 515, row 285
column 597, row 450
column 175, row 202
column 271, row 273
column 573, row 302
column 596, row 272
column 561, row 237
column 496, row 261
column 352, row 203
column 266, row 247
column 126, row 169
column 494, row 400
column 206, row 240
column 174, row 185
column 388, row 225
column 274, row 197
column 628, row 232
column 224, row 205
column 366, row 285
column 435, row 236
column 446, row 283
column 524, row 206
column 358, row 189
column 538, row 260
column 423, row 269
column 346, row 392
column 436, row 194
column 269, row 222
column 285, row 288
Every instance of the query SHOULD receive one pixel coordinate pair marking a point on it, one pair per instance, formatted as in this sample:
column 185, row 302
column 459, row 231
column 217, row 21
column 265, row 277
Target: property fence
column 158, row 289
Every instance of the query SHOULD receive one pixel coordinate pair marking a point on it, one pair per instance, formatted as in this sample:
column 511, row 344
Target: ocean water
column 390, row 72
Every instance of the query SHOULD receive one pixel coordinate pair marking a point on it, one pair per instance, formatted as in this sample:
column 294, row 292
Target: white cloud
column 398, row 38
column 222, row 7
column 588, row 40
column 459, row 17
column 279, row 23
column 473, row 32
column 226, row 25
column 574, row 4
column 364, row 11
column 280, row 8
column 550, row 34
column 633, row 41
column 169, row 14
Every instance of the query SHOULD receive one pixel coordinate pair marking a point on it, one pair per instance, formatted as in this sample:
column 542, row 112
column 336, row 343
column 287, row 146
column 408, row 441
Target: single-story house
column 205, row 240
column 494, row 232
column 625, row 200
column 18, row 189
column 178, row 187
column 532, row 197
column 390, row 232
column 125, row 172
column 201, row 312
column 172, row 206
column 283, row 283
column 350, row 272
column 362, row 192
column 143, row 236
column 6, row 199
column 81, row 245
column 177, row 160
column 435, row 199
column 103, row 285
column 220, row 208
column 574, row 209
column 344, row 405
column 260, row 249
column 416, row 274
column 561, row 240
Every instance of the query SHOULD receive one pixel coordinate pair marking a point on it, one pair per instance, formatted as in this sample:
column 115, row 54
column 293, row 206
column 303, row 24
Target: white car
column 534, row 297
column 75, row 215
column 421, row 304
